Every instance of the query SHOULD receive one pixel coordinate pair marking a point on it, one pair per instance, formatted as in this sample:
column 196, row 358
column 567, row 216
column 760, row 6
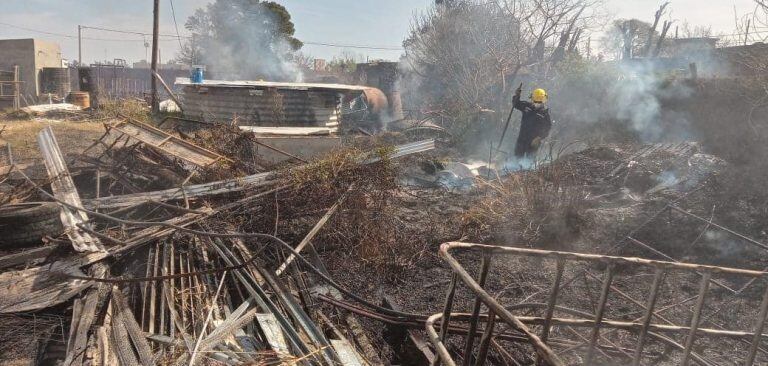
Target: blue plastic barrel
column 197, row 74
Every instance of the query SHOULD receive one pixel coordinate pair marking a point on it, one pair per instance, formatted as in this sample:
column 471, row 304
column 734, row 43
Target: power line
column 69, row 35
column 386, row 48
column 175, row 24
column 132, row 32
column 179, row 37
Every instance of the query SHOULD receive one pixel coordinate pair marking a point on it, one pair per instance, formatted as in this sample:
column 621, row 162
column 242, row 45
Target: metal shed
column 263, row 103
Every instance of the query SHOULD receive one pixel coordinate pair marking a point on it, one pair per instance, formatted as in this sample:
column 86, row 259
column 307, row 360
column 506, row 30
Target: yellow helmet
column 539, row 96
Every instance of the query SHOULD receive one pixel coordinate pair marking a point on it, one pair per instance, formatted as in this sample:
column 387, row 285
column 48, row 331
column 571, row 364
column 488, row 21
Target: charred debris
column 301, row 234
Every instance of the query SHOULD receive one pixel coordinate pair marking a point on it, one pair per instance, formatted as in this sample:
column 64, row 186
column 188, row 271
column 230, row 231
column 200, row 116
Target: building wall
column 47, row 54
column 20, row 52
column 31, row 55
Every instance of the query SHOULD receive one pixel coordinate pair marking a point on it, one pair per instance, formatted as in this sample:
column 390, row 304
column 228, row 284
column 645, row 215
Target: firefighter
column 536, row 122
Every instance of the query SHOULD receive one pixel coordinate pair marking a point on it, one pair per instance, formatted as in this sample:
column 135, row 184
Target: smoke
column 230, row 61
column 235, row 41
column 620, row 101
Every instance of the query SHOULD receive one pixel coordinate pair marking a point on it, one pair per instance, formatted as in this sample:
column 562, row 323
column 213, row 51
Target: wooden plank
column 64, row 189
column 167, row 143
column 151, row 234
column 189, row 192
column 124, row 315
column 290, row 131
column 231, row 185
column 347, row 354
column 42, row 287
column 26, row 256
column 82, row 319
column 272, row 333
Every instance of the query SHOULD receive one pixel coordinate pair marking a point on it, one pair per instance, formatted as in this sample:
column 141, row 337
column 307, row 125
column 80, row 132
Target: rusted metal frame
column 257, row 142
column 584, row 344
column 637, row 327
column 723, row 228
column 485, row 340
column 419, row 322
column 703, row 288
column 656, row 251
column 416, row 338
column 658, row 279
column 759, row 327
column 604, row 293
column 638, row 303
column 634, row 261
column 634, row 301
column 508, row 357
column 446, row 318
column 537, row 253
column 443, row 356
column 544, row 351
column 470, row 342
column 552, row 301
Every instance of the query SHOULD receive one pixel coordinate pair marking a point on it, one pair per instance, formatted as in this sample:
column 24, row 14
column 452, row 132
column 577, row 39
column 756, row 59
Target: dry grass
column 73, row 137
column 534, row 208
column 130, row 108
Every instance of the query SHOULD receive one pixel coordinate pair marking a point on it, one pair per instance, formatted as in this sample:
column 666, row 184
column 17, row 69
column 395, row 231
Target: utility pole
column 155, row 54
column 79, row 45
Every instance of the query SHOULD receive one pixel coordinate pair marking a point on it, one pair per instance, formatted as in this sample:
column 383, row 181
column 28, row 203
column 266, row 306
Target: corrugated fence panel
column 259, row 107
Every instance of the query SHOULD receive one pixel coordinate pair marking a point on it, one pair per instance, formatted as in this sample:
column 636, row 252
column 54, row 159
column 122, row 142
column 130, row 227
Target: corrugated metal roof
column 270, row 84
column 261, row 108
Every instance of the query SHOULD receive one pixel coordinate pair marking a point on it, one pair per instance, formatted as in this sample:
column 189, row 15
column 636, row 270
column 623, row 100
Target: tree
column 243, row 39
column 628, row 38
column 466, row 53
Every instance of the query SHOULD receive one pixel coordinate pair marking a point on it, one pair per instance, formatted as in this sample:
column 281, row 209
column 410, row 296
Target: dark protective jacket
column 536, row 122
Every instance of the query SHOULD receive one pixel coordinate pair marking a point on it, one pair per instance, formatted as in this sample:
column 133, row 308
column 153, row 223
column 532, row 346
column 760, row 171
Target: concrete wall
column 20, row 52
column 31, row 55
column 47, row 54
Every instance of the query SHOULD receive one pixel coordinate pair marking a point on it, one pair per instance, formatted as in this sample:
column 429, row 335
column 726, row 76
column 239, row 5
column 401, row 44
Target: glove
column 519, row 90
column 536, row 143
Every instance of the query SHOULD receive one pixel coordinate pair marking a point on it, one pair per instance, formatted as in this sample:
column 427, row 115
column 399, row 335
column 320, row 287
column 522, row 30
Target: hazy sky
column 346, row 22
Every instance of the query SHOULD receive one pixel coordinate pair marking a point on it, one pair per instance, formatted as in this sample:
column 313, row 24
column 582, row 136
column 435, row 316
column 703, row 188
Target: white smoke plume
column 239, row 40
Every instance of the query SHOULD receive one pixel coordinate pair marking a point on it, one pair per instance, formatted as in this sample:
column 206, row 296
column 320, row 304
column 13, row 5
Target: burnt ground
column 588, row 202
column 609, row 207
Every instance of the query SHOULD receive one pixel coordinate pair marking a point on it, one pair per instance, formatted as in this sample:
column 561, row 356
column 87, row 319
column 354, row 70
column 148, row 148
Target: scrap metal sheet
column 168, row 143
column 64, row 189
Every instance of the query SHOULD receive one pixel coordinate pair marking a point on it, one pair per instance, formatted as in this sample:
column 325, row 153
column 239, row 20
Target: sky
column 377, row 23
